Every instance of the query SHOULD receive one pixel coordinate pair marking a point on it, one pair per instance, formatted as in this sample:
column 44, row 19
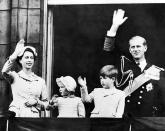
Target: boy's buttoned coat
column 108, row 102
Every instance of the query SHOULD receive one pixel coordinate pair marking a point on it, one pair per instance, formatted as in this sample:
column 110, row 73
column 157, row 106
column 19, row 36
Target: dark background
column 79, row 32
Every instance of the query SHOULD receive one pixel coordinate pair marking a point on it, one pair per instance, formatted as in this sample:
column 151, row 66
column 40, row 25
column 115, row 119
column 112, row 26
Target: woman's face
column 27, row 60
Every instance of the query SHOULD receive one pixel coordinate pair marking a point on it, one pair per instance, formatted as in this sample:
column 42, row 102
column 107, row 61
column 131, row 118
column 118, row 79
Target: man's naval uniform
column 147, row 100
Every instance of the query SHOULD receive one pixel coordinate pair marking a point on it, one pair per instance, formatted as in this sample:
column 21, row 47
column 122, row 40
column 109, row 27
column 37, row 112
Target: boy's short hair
column 109, row 71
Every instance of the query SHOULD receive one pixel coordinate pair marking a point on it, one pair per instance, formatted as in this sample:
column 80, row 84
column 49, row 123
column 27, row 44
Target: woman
column 29, row 90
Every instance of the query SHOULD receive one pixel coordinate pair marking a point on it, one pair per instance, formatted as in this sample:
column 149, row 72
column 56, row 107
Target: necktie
column 139, row 65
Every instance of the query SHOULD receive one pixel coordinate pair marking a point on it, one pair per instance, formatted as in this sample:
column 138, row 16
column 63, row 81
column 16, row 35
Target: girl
column 68, row 104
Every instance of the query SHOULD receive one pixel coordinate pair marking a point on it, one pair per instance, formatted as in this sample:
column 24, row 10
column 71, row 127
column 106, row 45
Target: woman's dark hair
column 109, row 71
column 20, row 57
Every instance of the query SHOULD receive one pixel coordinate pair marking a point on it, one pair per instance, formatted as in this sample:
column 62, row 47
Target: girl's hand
column 53, row 103
column 53, row 100
column 82, row 81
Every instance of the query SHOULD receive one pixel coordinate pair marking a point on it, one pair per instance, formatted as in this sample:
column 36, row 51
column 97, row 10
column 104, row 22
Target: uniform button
column 139, row 103
column 128, row 100
column 142, row 87
column 141, row 91
column 140, row 97
column 129, row 95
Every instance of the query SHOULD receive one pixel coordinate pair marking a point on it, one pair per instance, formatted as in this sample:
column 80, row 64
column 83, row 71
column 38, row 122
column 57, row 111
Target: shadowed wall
column 79, row 32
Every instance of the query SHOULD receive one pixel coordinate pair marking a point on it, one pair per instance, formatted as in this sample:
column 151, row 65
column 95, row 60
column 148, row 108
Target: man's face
column 137, row 48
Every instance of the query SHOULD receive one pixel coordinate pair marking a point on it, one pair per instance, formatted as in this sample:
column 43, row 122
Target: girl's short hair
column 109, row 71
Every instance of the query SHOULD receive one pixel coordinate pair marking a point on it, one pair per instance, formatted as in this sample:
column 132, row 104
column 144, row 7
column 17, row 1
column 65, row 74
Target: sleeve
column 81, row 109
column 109, row 52
column 161, row 99
column 92, row 94
column 85, row 96
column 109, row 43
column 6, row 70
column 121, row 106
column 43, row 101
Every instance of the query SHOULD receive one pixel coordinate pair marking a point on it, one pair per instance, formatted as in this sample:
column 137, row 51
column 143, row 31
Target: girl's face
column 27, row 60
column 106, row 82
column 63, row 91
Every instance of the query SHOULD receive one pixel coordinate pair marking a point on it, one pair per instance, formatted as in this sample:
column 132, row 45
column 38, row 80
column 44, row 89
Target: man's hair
column 109, row 71
column 140, row 38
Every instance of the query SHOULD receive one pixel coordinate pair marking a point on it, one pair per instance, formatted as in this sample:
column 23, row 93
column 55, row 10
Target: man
column 140, row 80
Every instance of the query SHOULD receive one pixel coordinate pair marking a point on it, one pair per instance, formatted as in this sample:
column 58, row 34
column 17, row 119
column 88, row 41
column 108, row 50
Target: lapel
column 30, row 78
column 107, row 92
column 147, row 66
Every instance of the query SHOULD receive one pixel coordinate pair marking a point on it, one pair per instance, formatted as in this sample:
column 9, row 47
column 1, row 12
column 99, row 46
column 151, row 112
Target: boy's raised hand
column 82, row 81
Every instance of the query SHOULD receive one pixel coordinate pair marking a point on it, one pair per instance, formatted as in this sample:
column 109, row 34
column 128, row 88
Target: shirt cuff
column 111, row 34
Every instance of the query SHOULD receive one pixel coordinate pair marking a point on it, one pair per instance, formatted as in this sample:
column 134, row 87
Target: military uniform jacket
column 148, row 99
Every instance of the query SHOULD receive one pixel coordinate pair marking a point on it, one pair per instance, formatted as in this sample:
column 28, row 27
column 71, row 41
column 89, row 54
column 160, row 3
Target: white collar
column 142, row 64
column 107, row 92
column 30, row 77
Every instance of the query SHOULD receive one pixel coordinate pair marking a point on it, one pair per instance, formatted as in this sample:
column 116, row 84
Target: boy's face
column 62, row 89
column 106, row 82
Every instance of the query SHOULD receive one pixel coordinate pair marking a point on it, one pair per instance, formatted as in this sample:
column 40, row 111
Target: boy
column 108, row 101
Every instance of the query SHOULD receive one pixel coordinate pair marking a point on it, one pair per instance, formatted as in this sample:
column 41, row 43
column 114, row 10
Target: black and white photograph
column 82, row 65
